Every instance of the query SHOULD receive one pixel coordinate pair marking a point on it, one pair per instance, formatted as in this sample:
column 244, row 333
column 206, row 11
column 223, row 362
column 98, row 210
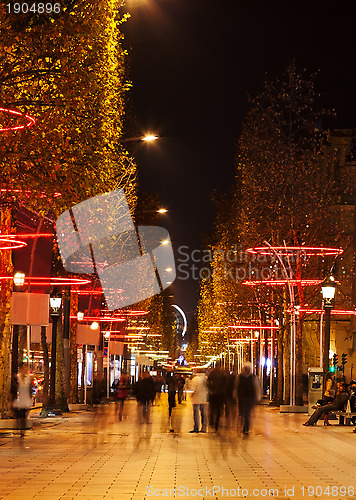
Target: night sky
column 193, row 65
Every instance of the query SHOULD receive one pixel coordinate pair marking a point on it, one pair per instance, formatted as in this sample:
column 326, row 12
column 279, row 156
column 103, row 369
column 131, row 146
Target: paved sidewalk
column 91, row 455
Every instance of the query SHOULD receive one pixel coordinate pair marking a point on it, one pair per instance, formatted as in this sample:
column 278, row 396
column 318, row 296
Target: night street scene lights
column 328, row 292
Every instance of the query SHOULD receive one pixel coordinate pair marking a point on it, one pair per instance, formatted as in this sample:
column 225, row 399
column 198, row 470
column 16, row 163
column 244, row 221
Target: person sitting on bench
column 338, row 404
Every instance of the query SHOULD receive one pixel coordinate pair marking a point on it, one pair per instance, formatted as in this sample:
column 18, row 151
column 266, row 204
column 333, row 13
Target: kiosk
column 315, row 387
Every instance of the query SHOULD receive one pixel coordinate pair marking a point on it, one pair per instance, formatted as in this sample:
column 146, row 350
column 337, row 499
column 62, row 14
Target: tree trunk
column 73, row 384
column 61, row 399
column 6, row 268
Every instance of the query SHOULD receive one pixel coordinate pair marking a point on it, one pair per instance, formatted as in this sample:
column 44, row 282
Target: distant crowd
column 212, row 395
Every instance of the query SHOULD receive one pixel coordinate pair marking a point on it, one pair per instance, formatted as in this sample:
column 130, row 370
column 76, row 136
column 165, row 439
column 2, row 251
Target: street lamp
column 55, row 304
column 18, row 283
column 145, row 138
column 328, row 291
column 149, row 138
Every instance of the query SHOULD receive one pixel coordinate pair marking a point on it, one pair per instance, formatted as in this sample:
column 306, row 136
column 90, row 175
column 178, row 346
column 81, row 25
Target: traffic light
column 335, row 359
column 343, row 358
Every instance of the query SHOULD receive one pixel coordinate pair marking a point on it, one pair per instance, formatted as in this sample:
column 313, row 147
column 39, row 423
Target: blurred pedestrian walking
column 218, row 385
column 21, row 397
column 172, row 384
column 180, row 388
column 144, row 392
column 199, row 399
column 121, row 391
column 247, row 392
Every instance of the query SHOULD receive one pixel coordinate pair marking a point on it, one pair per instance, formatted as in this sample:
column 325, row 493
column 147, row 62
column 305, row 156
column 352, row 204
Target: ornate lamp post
column 328, row 291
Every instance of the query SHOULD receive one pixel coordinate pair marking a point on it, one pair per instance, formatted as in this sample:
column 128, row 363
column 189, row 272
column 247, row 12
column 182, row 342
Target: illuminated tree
column 67, row 71
column 283, row 190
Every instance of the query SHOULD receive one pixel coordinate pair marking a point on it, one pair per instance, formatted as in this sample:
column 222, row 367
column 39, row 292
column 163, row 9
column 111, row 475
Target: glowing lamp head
column 55, row 303
column 328, row 289
column 150, row 137
column 19, row 279
column 94, row 325
column 162, row 211
column 80, row 316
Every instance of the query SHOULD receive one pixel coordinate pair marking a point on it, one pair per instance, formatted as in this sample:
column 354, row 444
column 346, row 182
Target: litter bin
column 315, row 386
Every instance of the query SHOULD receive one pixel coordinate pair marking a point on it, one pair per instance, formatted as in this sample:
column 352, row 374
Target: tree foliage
column 284, row 193
column 68, row 72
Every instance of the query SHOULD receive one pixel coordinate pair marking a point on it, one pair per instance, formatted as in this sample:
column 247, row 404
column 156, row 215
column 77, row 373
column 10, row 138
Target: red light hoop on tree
column 336, row 312
column 25, row 236
column 11, row 128
column 28, row 192
column 50, row 281
column 282, row 282
column 10, row 244
column 253, row 327
column 309, row 251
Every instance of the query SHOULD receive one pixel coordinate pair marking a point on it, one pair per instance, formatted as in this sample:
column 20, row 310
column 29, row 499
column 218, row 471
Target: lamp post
column 18, row 282
column 55, row 303
column 328, row 291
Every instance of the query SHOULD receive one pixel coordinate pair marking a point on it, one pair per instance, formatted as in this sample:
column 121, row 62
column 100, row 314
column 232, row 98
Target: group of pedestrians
column 222, row 390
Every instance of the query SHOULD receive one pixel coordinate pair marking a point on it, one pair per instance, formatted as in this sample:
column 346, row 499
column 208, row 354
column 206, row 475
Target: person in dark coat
column 339, row 403
column 145, row 392
column 121, row 389
column 247, row 395
column 172, row 384
column 217, row 385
